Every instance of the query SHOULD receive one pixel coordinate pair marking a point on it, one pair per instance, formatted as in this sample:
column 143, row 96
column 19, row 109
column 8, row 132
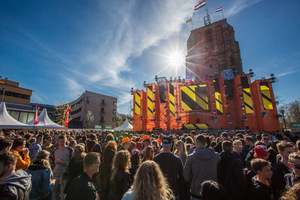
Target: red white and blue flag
column 218, row 9
column 200, row 5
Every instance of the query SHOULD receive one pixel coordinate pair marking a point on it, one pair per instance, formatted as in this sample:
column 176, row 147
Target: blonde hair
column 121, row 162
column 150, row 183
column 293, row 193
column 182, row 149
column 79, row 150
column 43, row 158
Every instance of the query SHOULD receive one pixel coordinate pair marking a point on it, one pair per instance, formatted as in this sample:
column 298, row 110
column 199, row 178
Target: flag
column 36, row 119
column 188, row 21
column 200, row 5
column 67, row 120
column 218, row 9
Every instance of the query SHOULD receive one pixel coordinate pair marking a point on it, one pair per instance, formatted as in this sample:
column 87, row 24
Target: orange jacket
column 21, row 164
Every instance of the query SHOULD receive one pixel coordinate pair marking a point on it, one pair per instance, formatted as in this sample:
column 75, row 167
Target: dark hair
column 62, row 137
column 201, row 139
column 90, row 159
column 212, row 190
column 227, row 146
column 249, row 138
column 4, row 143
column 225, row 134
column 8, row 158
column 283, row 145
column 258, row 164
column 109, row 137
column 93, row 137
column 135, row 159
column 18, row 142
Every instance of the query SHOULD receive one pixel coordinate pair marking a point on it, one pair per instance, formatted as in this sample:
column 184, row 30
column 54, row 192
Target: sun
column 176, row 59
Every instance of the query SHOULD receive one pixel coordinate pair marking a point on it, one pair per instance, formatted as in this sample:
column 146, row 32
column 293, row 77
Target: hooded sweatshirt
column 16, row 186
column 200, row 166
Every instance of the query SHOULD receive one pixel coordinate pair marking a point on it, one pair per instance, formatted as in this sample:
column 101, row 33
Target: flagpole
column 192, row 25
column 223, row 14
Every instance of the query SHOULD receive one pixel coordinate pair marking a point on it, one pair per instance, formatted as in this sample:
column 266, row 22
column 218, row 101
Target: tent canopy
column 45, row 122
column 126, row 126
column 8, row 122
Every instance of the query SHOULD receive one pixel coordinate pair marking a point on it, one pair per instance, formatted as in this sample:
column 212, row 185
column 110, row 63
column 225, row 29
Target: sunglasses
column 296, row 166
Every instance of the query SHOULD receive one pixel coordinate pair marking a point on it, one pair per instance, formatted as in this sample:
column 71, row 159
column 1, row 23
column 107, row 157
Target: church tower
column 211, row 49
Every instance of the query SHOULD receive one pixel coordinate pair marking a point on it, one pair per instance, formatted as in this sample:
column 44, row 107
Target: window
column 114, row 119
column 75, row 111
column 115, row 103
column 103, row 102
column 114, row 111
column 102, row 111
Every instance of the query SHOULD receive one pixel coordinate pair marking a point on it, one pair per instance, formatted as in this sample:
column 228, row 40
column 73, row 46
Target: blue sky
column 59, row 49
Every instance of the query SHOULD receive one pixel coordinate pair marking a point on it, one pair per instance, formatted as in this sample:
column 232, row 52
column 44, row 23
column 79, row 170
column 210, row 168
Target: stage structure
column 216, row 93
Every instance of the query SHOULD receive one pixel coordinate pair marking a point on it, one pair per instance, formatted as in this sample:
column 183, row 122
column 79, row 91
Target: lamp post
column 282, row 112
column 3, row 94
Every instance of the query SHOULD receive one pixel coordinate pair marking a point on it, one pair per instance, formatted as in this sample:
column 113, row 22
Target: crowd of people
column 176, row 165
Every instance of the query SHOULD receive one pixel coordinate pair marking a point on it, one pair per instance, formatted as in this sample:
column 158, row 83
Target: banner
column 67, row 120
column 36, row 118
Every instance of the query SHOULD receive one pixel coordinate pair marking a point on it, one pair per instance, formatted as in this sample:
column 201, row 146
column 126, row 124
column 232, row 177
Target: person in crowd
column 238, row 148
column 149, row 184
column 293, row 177
column 103, row 180
column 132, row 146
column 266, row 139
column 82, row 187
column 14, row 184
column 149, row 153
column 75, row 167
column 180, row 150
column 36, row 147
column 146, row 142
column 120, row 177
column 298, row 145
column 249, row 142
column 19, row 146
column 230, row 173
column 224, row 136
column 125, row 144
column 211, row 190
column 72, row 143
column 5, row 145
column 292, row 194
column 171, row 166
column 92, row 144
column 47, row 144
column 273, row 151
column 261, row 188
column 41, row 177
column 62, row 157
column 135, row 163
column 109, row 137
column 200, row 166
column 27, row 139
column 281, row 168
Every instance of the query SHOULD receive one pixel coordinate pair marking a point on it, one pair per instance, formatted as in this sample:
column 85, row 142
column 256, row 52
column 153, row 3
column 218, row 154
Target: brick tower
column 211, row 49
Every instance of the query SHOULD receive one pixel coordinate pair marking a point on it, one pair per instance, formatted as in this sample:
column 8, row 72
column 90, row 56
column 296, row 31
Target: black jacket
column 231, row 176
column 80, row 188
column 119, row 185
column 278, row 183
column 16, row 186
column 260, row 191
column 172, row 167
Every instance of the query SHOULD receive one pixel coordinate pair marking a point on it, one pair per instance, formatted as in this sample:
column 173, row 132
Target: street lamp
column 282, row 112
column 3, row 93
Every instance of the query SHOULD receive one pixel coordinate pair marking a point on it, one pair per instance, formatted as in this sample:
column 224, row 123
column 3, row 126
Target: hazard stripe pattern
column 196, row 126
column 219, row 105
column 172, row 100
column 194, row 97
column 266, row 97
column 248, row 100
column 137, row 103
column 149, row 101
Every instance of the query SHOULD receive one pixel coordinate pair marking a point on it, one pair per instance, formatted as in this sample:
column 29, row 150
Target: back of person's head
column 258, row 164
column 293, row 193
column 79, row 150
column 200, row 139
column 109, row 137
column 8, row 158
column 189, row 140
column 17, row 142
column 43, row 154
column 283, row 145
column 227, row 146
column 150, row 183
column 5, row 144
column 249, row 139
column 225, row 135
column 135, row 158
column 93, row 137
column 298, row 145
column 293, row 156
column 90, row 159
column 121, row 162
column 211, row 190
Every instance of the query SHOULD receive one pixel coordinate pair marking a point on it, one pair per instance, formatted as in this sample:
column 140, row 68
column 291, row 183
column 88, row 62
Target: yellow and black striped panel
column 172, row 99
column 137, row 103
column 219, row 105
column 194, row 97
column 247, row 94
column 248, row 100
column 196, row 126
column 150, row 101
column 266, row 95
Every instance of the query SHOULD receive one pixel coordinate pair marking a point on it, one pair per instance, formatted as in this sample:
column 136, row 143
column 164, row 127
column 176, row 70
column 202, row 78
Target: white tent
column 124, row 127
column 45, row 122
column 8, row 122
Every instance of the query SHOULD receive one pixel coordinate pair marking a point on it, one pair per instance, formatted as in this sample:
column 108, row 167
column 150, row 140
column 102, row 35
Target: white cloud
column 239, row 5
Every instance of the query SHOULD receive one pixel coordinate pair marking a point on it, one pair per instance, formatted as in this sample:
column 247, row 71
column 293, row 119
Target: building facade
column 212, row 49
column 93, row 111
